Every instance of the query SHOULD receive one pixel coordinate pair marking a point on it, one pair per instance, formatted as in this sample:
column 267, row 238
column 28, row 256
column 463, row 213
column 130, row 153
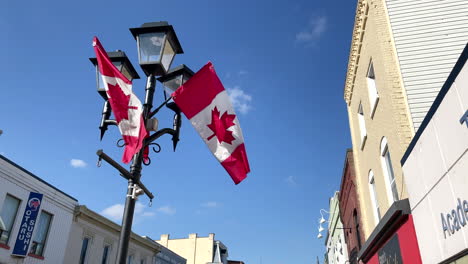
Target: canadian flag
column 125, row 104
column 205, row 102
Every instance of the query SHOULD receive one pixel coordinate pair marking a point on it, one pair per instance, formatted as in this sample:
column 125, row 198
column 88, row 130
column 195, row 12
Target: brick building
column 349, row 209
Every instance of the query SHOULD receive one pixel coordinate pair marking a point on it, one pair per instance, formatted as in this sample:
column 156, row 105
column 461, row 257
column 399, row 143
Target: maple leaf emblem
column 119, row 102
column 219, row 126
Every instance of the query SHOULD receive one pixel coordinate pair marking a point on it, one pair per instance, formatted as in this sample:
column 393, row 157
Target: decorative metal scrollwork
column 146, row 161
column 156, row 149
column 157, row 145
column 121, row 143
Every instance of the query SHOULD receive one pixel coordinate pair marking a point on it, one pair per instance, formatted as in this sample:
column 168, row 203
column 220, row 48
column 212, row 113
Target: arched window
column 389, row 175
column 356, row 226
column 373, row 194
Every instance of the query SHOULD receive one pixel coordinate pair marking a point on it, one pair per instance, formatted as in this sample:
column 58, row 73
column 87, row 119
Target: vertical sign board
column 27, row 225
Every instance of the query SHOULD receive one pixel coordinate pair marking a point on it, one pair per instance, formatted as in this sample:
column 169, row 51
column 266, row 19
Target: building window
column 40, row 236
column 362, row 125
column 356, row 225
column 373, row 192
column 142, row 261
column 387, row 167
column 130, row 259
column 372, row 89
column 7, row 217
column 105, row 254
column 84, row 250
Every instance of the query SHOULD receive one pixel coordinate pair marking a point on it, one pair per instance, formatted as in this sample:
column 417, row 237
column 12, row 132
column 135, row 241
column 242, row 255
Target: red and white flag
column 205, row 102
column 126, row 106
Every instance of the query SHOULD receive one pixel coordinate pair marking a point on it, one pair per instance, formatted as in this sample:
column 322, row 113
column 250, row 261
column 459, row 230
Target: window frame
column 388, row 172
column 374, row 199
column 372, row 88
column 362, row 125
column 108, row 253
column 83, row 258
column 131, row 258
column 36, row 229
column 15, row 216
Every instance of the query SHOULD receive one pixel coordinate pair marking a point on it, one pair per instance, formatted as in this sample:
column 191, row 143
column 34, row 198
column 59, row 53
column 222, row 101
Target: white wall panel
column 436, row 175
column 18, row 183
column 427, row 32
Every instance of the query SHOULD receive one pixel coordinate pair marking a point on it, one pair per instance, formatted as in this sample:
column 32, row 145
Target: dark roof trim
column 391, row 220
column 443, row 91
column 35, row 177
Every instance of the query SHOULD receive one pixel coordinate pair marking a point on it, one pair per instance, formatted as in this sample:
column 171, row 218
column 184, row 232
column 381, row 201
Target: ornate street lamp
column 123, row 64
column 173, row 80
column 157, row 46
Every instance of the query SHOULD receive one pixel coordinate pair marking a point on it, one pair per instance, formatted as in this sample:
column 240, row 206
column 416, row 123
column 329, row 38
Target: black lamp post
column 157, row 46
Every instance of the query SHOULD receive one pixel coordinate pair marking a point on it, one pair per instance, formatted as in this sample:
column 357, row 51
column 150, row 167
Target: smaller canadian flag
column 125, row 104
column 205, row 102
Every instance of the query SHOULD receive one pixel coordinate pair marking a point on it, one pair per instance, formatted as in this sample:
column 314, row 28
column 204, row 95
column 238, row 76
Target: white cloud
column 115, row 212
column 77, row 163
column 211, row 204
column 316, row 27
column 242, row 72
column 291, row 181
column 240, row 100
column 167, row 210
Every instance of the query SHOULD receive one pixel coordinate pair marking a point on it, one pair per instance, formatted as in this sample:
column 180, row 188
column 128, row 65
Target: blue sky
column 285, row 62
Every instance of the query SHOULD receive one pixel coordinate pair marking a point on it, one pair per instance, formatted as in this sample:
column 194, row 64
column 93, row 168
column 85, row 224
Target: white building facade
column 337, row 250
column 435, row 169
column 94, row 240
column 41, row 240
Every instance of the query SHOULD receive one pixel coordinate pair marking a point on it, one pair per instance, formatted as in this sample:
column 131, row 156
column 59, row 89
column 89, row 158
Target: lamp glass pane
column 126, row 73
column 119, row 66
column 168, row 56
column 171, row 85
column 150, row 45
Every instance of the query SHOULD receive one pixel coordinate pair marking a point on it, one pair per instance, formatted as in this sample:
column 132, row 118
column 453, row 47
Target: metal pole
column 135, row 171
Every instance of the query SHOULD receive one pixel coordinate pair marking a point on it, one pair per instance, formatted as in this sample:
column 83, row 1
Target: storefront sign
column 456, row 219
column 27, row 224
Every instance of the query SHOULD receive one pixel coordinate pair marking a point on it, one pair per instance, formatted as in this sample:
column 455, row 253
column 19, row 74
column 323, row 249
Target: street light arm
column 123, row 172
column 159, row 107
column 111, row 122
column 158, row 134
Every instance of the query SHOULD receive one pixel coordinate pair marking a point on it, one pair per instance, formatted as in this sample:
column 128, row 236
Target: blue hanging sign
column 27, row 225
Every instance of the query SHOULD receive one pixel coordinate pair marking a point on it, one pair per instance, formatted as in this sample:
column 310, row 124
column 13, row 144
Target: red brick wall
column 349, row 204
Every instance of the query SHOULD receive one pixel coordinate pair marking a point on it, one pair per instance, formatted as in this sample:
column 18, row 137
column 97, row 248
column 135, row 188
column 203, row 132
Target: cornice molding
column 355, row 50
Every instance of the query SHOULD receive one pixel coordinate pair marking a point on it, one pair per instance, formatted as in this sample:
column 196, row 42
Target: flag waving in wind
column 205, row 102
column 125, row 104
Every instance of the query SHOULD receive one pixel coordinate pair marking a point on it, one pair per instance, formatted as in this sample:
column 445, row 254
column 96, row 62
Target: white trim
column 373, row 194
column 362, row 125
column 385, row 170
column 372, row 89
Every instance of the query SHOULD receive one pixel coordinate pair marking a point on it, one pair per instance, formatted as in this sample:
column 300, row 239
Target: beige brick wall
column 391, row 118
column 195, row 249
